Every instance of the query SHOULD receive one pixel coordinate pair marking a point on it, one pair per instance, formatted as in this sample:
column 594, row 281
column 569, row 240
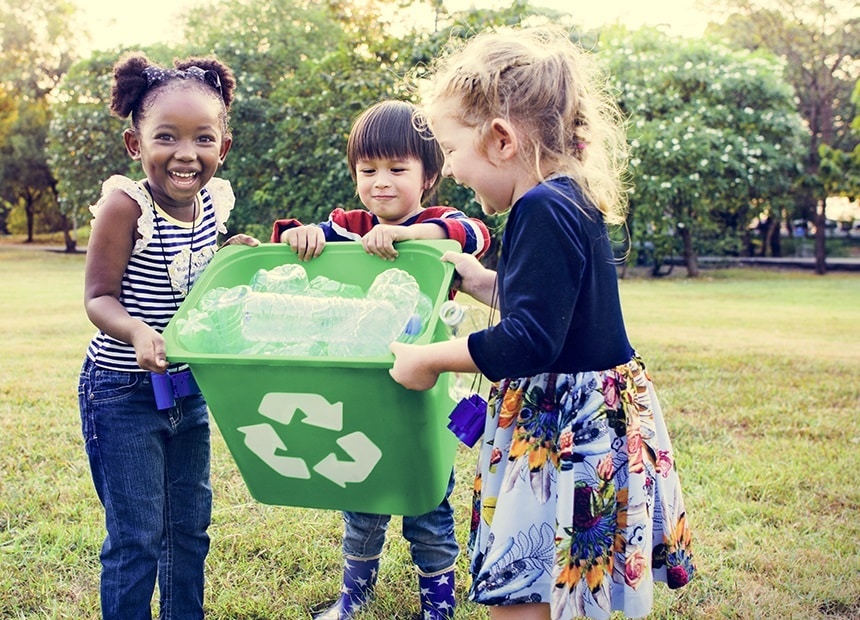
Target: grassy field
column 757, row 372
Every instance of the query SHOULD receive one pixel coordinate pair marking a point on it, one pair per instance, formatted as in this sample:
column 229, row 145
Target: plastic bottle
column 413, row 329
column 215, row 325
column 288, row 278
column 322, row 286
column 400, row 291
column 419, row 320
column 195, row 331
column 281, row 313
column 277, row 317
column 226, row 312
column 321, row 326
column 460, row 321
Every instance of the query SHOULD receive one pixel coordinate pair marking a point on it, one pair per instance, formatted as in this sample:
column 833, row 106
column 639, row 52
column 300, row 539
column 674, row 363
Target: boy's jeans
column 151, row 472
column 431, row 535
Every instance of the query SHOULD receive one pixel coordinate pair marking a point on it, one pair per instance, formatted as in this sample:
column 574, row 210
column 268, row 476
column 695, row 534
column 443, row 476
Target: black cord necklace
column 194, row 214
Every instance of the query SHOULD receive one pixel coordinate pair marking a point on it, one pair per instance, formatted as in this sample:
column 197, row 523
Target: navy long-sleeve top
column 559, row 302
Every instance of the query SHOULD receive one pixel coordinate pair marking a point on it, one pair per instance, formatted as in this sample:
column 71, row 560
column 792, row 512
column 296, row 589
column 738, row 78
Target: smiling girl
column 150, row 241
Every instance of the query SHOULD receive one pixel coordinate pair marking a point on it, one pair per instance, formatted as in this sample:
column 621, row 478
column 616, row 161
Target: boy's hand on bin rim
column 380, row 240
column 306, row 241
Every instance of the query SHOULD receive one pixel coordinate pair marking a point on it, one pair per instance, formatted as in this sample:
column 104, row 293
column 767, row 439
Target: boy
column 394, row 167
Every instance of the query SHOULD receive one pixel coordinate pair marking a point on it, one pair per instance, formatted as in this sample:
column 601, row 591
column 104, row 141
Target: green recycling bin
column 334, row 433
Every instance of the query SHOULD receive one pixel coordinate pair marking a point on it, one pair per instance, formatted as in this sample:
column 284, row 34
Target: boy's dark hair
column 387, row 130
column 137, row 79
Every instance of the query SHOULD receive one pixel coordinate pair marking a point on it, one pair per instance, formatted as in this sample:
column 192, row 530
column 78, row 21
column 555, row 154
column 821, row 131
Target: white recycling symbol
column 280, row 407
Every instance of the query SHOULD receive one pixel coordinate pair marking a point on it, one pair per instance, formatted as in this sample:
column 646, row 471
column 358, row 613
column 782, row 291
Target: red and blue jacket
column 471, row 233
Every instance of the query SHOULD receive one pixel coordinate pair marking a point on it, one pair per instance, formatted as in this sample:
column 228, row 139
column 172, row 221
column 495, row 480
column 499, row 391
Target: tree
column 85, row 142
column 36, row 46
column 820, row 44
column 27, row 182
column 840, row 170
column 714, row 141
column 305, row 71
column 8, row 117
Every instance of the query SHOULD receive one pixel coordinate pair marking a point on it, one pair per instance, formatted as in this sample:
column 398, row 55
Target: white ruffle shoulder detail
column 223, row 201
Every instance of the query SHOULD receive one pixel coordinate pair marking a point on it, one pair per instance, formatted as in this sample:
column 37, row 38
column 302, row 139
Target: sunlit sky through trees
column 112, row 23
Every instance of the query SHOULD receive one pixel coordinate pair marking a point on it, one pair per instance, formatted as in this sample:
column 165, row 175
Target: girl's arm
column 417, row 367
column 476, row 280
column 242, row 239
column 108, row 253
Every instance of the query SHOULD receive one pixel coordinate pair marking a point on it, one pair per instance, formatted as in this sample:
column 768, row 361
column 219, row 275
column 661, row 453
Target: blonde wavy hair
column 555, row 95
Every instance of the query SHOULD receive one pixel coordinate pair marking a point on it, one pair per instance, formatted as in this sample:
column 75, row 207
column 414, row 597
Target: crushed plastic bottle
column 399, row 288
column 215, row 325
column 289, row 278
column 337, row 324
column 321, row 286
column 418, row 322
column 281, row 313
column 226, row 313
column 194, row 331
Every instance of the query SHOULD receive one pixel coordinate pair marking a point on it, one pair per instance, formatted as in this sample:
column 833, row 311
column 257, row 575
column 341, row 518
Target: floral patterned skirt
column 577, row 501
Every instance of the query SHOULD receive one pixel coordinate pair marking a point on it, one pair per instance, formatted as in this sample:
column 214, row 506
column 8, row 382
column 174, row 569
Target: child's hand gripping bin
column 329, row 432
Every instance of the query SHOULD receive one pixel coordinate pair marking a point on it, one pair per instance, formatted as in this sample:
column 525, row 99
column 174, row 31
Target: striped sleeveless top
column 164, row 264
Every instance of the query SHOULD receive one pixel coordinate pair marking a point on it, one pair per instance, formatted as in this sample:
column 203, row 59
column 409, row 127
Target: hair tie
column 156, row 75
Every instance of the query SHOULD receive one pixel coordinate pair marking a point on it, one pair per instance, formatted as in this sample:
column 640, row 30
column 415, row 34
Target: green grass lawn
column 756, row 370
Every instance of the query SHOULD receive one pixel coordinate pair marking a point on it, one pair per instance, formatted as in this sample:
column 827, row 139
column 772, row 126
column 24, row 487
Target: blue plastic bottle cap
column 413, row 326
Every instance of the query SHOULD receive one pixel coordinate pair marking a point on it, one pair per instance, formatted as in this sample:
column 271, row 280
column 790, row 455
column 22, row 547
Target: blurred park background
column 743, row 130
column 743, row 123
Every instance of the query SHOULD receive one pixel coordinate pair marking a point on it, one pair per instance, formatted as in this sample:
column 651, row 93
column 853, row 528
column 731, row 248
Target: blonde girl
column 578, row 505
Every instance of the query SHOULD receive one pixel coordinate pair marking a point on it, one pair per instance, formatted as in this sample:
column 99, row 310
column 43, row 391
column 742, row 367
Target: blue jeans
column 151, row 472
column 431, row 536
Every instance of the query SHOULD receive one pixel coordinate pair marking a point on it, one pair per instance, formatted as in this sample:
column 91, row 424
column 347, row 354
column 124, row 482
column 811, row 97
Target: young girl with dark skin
column 578, row 505
column 150, row 241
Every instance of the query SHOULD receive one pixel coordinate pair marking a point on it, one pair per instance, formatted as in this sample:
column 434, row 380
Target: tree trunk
column 820, row 236
column 774, row 239
column 71, row 242
column 690, row 258
column 29, row 210
column 747, row 248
